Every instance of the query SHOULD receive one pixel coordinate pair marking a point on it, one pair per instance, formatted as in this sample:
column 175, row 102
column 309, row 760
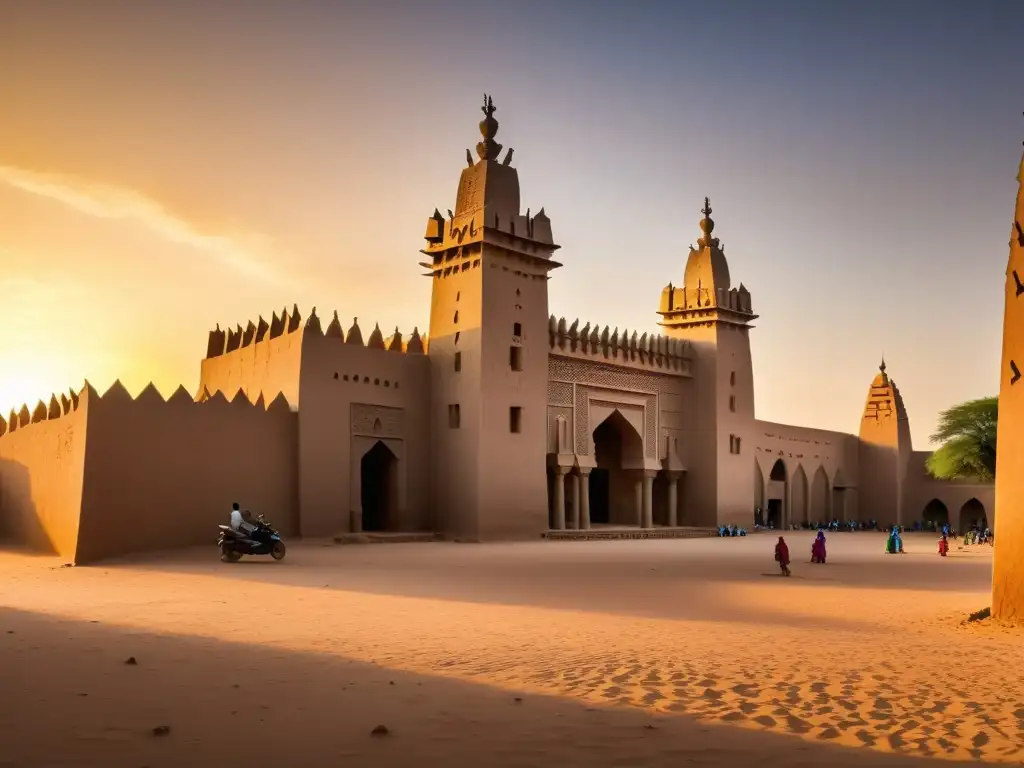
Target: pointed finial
column 488, row 149
column 881, row 368
column 707, row 226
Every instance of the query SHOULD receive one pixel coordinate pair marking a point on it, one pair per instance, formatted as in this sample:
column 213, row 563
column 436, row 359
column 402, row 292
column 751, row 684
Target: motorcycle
column 263, row 540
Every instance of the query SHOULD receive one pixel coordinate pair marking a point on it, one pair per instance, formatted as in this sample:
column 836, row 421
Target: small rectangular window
column 458, row 362
column 454, row 417
column 732, row 379
column 515, row 419
column 737, row 446
column 734, row 444
column 732, row 402
column 515, row 358
column 517, row 329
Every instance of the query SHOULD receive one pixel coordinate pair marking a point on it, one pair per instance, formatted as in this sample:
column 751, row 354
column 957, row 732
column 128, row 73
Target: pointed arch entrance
column 778, row 491
column 618, row 450
column 759, row 511
column 972, row 513
column 935, row 511
column 378, row 474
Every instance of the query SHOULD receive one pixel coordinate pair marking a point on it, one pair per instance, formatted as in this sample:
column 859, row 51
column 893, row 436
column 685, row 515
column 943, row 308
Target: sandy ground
column 633, row 653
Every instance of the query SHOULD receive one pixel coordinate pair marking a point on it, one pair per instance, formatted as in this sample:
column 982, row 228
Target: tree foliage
column 967, row 433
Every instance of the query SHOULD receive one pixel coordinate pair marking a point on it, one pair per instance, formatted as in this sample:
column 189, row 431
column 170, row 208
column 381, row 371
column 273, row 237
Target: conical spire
column 881, row 368
column 488, row 149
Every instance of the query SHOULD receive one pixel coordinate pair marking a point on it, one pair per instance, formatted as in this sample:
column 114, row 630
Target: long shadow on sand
column 69, row 699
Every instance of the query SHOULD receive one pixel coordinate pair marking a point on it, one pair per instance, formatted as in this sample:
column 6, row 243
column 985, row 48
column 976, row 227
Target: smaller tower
column 1008, row 563
column 884, row 453
column 715, row 318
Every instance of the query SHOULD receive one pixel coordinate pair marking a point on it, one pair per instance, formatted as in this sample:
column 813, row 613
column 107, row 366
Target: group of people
column 731, row 530
column 818, row 552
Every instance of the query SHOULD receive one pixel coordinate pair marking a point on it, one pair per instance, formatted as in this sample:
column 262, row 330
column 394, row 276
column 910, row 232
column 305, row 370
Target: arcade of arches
column 971, row 513
column 619, row 490
column 783, row 500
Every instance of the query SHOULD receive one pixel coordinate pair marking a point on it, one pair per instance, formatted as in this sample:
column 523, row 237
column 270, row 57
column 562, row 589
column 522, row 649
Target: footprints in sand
column 863, row 708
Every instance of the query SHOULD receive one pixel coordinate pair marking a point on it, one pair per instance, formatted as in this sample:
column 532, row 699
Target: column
column 574, row 497
column 647, row 514
column 584, row 500
column 558, row 523
column 638, row 491
column 673, row 500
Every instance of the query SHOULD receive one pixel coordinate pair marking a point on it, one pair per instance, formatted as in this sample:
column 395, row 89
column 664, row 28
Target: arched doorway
column 935, row 512
column 819, row 496
column 798, row 501
column 378, row 473
column 972, row 513
column 617, row 446
column 775, row 503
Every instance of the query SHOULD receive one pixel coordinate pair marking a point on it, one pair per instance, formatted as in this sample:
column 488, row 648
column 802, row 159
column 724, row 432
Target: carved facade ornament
column 378, row 421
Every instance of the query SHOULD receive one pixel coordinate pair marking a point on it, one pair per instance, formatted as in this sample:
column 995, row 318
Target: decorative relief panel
column 553, row 414
column 563, row 369
column 378, row 421
column 589, row 395
column 559, row 393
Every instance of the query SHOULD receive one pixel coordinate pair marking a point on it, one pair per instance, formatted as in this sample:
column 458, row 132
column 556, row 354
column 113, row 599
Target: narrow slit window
column 517, row 329
column 515, row 358
column 515, row 419
column 458, row 362
column 454, row 416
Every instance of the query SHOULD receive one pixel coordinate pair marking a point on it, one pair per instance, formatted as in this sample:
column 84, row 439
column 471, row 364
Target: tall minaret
column 488, row 351
column 884, row 453
column 1008, row 563
column 715, row 318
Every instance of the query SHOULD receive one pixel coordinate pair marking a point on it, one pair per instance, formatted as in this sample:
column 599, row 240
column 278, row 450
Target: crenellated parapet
column 260, row 331
column 222, row 342
column 621, row 347
column 396, row 342
column 52, row 410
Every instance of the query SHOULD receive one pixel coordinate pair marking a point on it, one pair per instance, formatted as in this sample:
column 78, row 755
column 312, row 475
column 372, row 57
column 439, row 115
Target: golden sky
column 166, row 167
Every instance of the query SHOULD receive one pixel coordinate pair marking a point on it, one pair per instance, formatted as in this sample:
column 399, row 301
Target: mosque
column 501, row 422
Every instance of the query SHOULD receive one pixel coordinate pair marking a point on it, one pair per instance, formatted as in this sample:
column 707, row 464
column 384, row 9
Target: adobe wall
column 160, row 475
column 262, row 358
column 920, row 488
column 817, row 462
column 352, row 397
column 41, row 471
column 1008, row 558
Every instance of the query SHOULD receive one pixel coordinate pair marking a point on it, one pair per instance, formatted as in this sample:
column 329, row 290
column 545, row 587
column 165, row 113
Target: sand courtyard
column 611, row 653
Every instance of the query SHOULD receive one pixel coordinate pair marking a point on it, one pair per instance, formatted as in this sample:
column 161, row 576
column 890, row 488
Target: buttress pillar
column 558, row 516
column 584, row 499
column 647, row 502
column 673, row 500
column 574, row 500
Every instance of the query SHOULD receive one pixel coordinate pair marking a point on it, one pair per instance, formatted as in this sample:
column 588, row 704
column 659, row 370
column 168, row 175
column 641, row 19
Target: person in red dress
column 943, row 545
column 782, row 556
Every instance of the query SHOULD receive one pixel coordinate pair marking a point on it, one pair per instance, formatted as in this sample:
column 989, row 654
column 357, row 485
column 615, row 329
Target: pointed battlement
column 223, row 342
column 622, row 348
column 53, row 410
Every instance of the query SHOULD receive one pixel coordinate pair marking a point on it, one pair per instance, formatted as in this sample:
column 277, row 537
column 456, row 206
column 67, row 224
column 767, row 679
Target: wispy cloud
column 247, row 253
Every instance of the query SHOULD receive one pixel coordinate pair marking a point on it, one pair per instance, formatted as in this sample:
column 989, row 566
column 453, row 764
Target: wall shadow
column 20, row 524
column 232, row 704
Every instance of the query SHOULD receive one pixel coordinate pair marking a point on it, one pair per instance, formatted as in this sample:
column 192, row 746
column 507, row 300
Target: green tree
column 967, row 433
